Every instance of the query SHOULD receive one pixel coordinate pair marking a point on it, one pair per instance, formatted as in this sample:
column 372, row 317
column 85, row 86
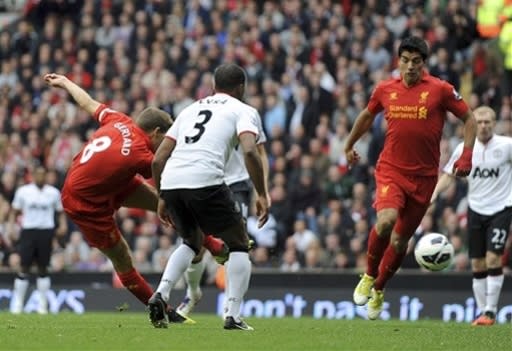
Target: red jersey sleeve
column 452, row 100
column 375, row 105
column 104, row 115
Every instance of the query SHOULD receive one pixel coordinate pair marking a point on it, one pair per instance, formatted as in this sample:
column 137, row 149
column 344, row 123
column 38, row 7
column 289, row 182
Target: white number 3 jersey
column 206, row 133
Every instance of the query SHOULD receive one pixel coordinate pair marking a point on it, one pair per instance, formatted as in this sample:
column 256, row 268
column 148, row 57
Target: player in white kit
column 489, row 212
column 239, row 182
column 188, row 170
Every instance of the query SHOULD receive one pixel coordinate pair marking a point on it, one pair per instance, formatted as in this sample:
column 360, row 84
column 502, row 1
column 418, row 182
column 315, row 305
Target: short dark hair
column 152, row 117
column 414, row 44
column 228, row 77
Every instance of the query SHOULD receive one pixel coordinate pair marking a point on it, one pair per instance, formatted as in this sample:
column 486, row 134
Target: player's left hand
column 462, row 167
column 262, row 206
column 163, row 214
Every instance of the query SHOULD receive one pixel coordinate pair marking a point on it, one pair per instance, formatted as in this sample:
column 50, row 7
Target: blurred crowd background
column 311, row 67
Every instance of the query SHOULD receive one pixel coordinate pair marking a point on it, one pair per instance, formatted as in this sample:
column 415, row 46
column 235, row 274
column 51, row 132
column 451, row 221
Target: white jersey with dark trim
column 235, row 170
column 206, row 133
column 490, row 180
column 37, row 205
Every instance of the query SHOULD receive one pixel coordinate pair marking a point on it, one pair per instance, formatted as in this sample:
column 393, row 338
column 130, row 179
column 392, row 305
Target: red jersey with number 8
column 107, row 166
column 415, row 117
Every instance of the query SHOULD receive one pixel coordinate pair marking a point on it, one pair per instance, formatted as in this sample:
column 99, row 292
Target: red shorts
column 410, row 195
column 96, row 220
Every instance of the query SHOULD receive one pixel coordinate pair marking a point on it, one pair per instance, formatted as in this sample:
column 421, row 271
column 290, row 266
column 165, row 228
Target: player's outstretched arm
column 79, row 95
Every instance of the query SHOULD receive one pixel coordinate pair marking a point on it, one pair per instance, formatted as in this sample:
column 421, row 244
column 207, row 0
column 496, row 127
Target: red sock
column 390, row 264
column 376, row 247
column 137, row 285
column 213, row 244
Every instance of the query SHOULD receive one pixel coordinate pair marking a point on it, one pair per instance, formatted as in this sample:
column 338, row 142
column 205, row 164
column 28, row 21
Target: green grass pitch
column 132, row 331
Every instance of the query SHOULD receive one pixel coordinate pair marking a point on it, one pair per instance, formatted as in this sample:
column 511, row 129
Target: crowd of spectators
column 311, row 66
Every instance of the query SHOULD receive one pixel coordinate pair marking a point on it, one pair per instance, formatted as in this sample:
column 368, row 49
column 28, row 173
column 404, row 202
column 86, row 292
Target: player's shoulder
column 436, row 81
column 52, row 189
column 25, row 188
column 502, row 139
column 387, row 83
column 113, row 115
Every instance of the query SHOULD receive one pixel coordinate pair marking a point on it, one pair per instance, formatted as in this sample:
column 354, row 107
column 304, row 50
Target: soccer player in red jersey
column 415, row 107
column 107, row 174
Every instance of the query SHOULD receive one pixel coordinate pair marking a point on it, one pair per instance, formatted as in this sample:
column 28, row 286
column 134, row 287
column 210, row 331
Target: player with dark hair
column 239, row 182
column 489, row 212
column 415, row 107
column 38, row 202
column 107, row 174
column 188, row 169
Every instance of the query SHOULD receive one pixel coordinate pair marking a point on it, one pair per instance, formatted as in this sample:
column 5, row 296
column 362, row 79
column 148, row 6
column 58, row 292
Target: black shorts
column 211, row 209
column 242, row 194
column 488, row 233
column 35, row 245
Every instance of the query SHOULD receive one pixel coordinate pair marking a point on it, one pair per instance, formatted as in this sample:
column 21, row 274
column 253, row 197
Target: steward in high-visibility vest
column 488, row 17
column 505, row 43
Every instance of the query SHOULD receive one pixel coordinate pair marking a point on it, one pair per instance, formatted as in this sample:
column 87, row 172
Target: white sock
column 494, row 284
column 239, row 273
column 226, row 289
column 193, row 276
column 18, row 295
column 43, row 285
column 479, row 290
column 176, row 265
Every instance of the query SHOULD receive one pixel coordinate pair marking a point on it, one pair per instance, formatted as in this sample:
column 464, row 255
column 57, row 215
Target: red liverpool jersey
column 415, row 117
column 115, row 154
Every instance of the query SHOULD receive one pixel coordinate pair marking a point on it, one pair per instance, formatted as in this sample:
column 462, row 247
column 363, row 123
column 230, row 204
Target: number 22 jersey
column 105, row 169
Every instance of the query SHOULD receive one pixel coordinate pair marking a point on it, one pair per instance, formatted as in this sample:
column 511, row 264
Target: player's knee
column 399, row 244
column 492, row 260
column 385, row 226
column 199, row 256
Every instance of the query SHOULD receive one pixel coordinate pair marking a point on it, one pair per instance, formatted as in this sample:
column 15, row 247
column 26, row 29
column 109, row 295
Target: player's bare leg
column 144, row 197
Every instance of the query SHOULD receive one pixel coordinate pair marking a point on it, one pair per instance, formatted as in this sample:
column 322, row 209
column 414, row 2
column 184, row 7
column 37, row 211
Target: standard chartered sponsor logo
column 407, row 112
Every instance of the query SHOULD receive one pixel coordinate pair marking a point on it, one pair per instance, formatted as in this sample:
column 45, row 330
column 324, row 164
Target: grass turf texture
column 132, row 331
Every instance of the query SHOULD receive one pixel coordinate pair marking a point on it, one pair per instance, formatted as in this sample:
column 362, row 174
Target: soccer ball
column 434, row 252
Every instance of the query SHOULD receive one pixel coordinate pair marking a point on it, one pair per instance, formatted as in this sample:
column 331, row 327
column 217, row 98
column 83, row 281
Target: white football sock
column 479, row 290
column 18, row 295
column 239, row 273
column 193, row 276
column 176, row 265
column 226, row 281
column 494, row 284
column 43, row 286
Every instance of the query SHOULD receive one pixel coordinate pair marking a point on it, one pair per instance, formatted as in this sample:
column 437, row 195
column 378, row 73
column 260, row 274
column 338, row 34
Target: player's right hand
column 352, row 156
column 163, row 214
column 462, row 167
column 55, row 80
column 262, row 206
